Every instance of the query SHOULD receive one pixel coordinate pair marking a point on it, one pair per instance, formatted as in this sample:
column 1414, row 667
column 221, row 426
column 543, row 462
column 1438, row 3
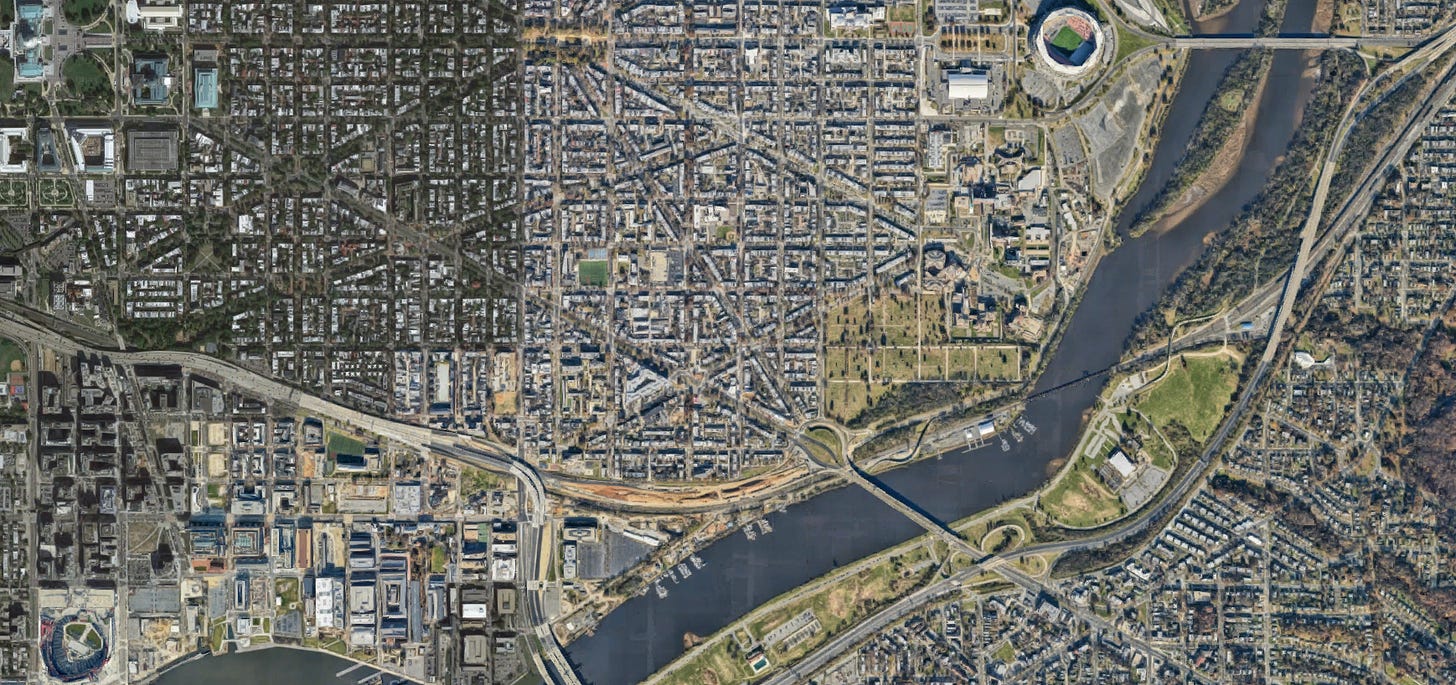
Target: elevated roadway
column 1243, row 42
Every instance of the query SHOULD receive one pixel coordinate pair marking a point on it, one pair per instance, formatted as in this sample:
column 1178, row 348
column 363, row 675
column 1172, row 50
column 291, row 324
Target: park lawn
column 933, row 316
column 55, row 192
column 1194, row 393
column 83, row 12
column 896, row 363
column 339, row 443
column 826, row 437
column 1005, row 653
column 7, row 78
column 999, row 363
column 962, row 362
column 12, row 355
column 896, row 320
column 85, row 77
column 1067, row 40
column 847, row 323
column 438, row 559
column 934, row 365
column 1129, row 42
column 844, row 401
column 1080, row 500
column 893, row 319
column 216, row 634
column 13, row 193
column 592, row 272
column 845, row 363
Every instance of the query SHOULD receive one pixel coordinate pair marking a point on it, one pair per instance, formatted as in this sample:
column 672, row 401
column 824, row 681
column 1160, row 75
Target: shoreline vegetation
column 1375, row 129
column 1217, row 144
column 1262, row 241
column 1213, row 9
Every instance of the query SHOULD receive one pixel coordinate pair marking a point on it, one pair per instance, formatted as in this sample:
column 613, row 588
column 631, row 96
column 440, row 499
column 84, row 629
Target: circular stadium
column 74, row 648
column 1069, row 41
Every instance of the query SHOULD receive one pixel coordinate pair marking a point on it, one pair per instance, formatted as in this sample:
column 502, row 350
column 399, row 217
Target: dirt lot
column 682, row 496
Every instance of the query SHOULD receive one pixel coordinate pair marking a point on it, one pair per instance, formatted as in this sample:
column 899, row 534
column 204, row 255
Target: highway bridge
column 1291, row 42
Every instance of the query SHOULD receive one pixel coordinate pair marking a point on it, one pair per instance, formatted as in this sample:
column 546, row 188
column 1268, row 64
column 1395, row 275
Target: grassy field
column 473, row 480
column 82, row 12
column 998, row 363
column 12, row 356
column 7, row 77
column 1079, row 499
column 899, row 363
column 216, row 633
column 84, row 77
column 1129, row 42
column 931, row 362
column 894, row 319
column 338, row 443
column 1194, row 393
column 1067, row 40
column 592, row 272
column 844, row 401
column 827, row 437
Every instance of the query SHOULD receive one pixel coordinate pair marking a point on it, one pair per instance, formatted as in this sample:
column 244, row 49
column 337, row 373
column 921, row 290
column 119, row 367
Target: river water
column 839, row 526
column 272, row 666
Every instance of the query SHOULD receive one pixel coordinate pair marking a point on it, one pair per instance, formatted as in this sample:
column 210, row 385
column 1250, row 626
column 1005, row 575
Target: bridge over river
column 1291, row 42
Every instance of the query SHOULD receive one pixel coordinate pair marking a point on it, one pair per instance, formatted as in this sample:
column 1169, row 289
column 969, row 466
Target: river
column 842, row 525
column 272, row 666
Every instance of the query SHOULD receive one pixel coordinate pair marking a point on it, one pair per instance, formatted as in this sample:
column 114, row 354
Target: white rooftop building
column 154, row 15
column 13, row 158
column 1119, row 462
column 968, row 85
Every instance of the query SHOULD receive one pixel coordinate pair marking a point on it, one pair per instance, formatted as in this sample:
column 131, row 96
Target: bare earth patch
column 684, row 496
column 1218, row 173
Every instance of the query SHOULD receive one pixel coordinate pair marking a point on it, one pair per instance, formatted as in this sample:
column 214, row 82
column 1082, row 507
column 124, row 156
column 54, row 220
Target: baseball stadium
column 74, row 648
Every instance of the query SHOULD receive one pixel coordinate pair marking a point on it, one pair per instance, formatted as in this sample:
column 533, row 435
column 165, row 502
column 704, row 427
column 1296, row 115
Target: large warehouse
column 970, row 85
